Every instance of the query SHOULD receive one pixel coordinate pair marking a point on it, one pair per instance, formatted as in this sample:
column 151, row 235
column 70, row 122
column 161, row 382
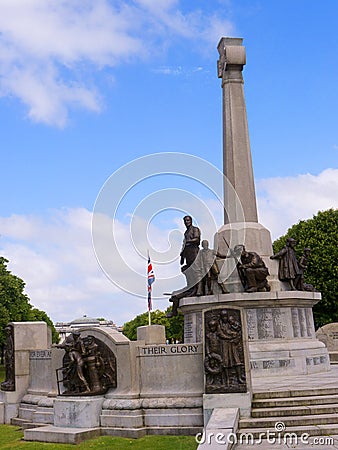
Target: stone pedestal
column 151, row 334
column 27, row 336
column 280, row 327
column 167, row 387
column 241, row 400
column 77, row 412
column 40, row 365
column 328, row 334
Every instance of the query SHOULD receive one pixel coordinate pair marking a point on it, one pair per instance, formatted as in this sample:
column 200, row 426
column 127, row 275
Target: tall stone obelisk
column 241, row 218
column 237, row 164
column 279, row 322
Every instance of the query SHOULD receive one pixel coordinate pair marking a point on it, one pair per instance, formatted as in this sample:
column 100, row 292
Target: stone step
column 312, row 430
column 120, row 419
column 142, row 431
column 60, row 435
column 295, row 401
column 46, row 417
column 289, row 421
column 280, row 412
column 26, row 412
column 25, row 424
column 294, row 393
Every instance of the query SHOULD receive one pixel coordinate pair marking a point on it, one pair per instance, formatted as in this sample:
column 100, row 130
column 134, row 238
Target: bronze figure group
column 224, row 364
column 198, row 266
column 89, row 366
column 202, row 272
column 292, row 270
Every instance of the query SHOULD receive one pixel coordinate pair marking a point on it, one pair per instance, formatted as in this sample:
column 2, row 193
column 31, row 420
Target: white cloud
column 167, row 70
column 41, row 40
column 49, row 49
column 178, row 71
column 167, row 16
column 282, row 202
column 55, row 257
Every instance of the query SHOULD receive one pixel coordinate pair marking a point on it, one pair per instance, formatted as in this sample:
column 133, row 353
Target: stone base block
column 60, row 435
column 21, row 384
column 27, row 411
column 174, row 431
column 122, row 418
column 173, row 417
column 43, row 417
column 74, row 412
column 30, row 335
column 241, row 401
column 154, row 417
column 288, row 357
column 2, row 413
column 151, row 334
column 10, row 412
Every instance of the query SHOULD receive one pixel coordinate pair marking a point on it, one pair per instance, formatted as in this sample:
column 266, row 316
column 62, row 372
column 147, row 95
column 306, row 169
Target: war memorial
column 248, row 331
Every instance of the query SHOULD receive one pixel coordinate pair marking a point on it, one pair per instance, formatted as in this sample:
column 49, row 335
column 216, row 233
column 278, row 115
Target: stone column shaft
column 236, row 143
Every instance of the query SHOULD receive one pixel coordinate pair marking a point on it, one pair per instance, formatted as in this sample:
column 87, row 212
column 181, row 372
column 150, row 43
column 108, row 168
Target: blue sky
column 88, row 87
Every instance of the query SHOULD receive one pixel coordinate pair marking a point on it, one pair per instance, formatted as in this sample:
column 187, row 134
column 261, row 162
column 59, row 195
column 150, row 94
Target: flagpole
column 149, row 315
column 150, row 280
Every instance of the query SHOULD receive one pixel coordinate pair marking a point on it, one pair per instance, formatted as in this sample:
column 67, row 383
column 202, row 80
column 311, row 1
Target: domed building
column 65, row 328
column 84, row 321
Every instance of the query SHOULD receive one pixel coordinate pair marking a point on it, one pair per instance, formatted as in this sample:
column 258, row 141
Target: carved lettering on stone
column 295, row 322
column 279, row 317
column 251, row 316
column 309, row 322
column 265, row 324
column 188, row 328
column 302, row 322
column 40, row 354
column 199, row 327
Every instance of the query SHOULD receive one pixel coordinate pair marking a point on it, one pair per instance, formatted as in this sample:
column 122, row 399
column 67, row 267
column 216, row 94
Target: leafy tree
column 15, row 305
column 173, row 326
column 319, row 234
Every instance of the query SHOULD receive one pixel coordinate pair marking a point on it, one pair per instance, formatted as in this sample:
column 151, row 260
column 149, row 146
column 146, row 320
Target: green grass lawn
column 12, row 438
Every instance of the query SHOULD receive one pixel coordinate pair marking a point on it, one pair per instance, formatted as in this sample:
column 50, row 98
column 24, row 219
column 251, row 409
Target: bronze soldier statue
column 289, row 269
column 192, row 272
column 251, row 269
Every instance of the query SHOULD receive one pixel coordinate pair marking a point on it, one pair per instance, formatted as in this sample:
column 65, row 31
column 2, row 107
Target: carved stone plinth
column 77, row 412
column 280, row 329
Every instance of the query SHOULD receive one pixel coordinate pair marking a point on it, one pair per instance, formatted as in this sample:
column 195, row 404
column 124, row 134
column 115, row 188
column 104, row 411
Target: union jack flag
column 151, row 279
